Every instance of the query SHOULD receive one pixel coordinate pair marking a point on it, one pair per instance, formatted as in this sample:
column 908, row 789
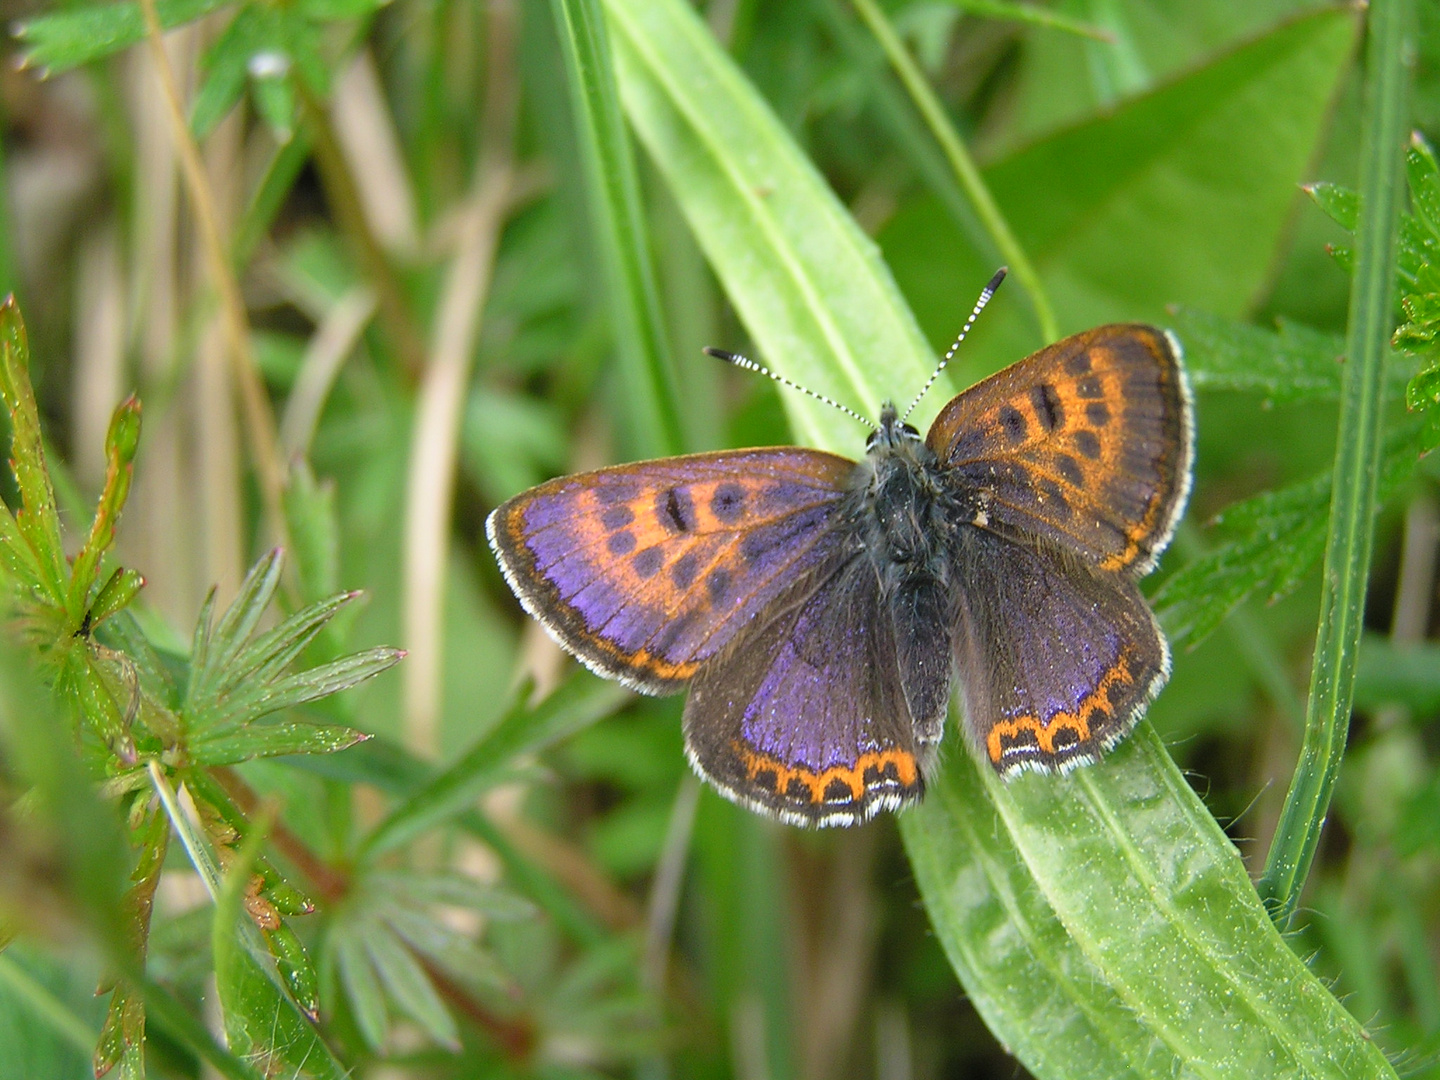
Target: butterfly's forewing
column 1057, row 658
column 803, row 716
column 644, row 570
column 1086, row 443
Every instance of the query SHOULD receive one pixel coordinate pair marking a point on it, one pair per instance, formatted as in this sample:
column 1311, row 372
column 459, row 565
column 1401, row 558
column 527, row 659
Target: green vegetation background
column 410, row 259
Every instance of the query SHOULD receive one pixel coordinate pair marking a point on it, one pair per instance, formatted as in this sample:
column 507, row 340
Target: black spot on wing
column 838, row 791
column 1013, row 423
column 616, row 517
column 675, row 510
column 1045, row 400
column 1078, row 363
column 717, row 582
column 728, row 503
column 1088, row 443
column 1098, row 413
column 621, row 543
column 648, row 562
column 684, row 569
column 1069, row 470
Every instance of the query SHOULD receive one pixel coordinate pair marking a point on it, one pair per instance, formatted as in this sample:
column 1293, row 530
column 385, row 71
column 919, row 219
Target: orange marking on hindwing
column 1077, row 722
column 817, row 783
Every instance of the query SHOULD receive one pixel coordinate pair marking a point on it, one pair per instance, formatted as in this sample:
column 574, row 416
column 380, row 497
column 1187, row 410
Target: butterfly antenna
column 750, row 365
column 985, row 295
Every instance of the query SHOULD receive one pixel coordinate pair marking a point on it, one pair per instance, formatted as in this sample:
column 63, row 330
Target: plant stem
column 254, row 404
column 434, row 454
column 1357, row 461
column 614, row 191
column 964, row 165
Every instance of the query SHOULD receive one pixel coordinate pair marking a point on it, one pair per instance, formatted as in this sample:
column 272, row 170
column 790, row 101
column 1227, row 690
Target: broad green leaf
column 1111, row 858
column 272, row 740
column 1119, row 212
column 68, row 39
column 1277, row 538
column 1293, row 363
column 827, row 315
column 1179, row 970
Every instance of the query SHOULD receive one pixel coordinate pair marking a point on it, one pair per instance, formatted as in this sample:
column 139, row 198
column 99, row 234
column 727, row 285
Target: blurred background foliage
column 376, row 290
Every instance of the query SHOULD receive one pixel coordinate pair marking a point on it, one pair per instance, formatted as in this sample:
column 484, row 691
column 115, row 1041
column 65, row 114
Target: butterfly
column 819, row 608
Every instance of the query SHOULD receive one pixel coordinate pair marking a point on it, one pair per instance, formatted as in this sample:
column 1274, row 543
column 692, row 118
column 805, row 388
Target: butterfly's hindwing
column 803, row 716
column 1086, row 443
column 644, row 570
column 1057, row 659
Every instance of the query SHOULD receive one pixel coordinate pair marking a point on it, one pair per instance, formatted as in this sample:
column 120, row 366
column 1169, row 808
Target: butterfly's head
column 892, row 432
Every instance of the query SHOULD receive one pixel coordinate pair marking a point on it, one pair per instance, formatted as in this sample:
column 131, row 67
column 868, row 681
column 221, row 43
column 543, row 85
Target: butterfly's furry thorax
column 903, row 512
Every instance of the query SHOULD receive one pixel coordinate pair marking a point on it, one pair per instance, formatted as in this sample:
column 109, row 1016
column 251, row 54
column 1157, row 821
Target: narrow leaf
column 250, row 704
column 121, row 442
column 579, row 702
column 1350, row 530
column 38, row 521
column 614, row 192
column 362, row 984
column 68, row 39
column 409, row 987
column 273, row 740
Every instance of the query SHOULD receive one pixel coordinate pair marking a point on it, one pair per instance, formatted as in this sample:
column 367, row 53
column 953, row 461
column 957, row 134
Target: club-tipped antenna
column 750, row 365
column 985, row 295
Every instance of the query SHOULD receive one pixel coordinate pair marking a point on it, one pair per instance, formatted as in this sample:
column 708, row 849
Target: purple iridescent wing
column 803, row 716
column 643, row 571
column 1057, row 659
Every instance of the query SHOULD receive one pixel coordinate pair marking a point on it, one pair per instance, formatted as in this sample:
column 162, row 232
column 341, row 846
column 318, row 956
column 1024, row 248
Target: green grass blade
column 966, row 171
column 1357, row 459
column 581, row 701
column 1033, row 16
column 614, row 190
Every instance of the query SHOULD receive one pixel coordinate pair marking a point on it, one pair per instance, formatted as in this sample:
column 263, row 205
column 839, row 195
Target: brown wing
column 644, row 570
column 1086, row 443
